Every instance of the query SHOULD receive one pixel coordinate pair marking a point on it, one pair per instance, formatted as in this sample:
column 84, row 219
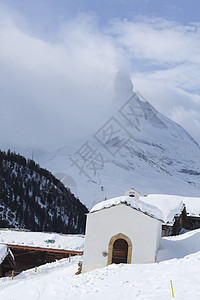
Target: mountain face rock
column 32, row 198
column 137, row 147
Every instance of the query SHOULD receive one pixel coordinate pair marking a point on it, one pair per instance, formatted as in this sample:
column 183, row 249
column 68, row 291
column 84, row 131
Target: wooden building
column 27, row 257
column 7, row 261
column 193, row 211
column 32, row 249
column 181, row 221
column 194, row 222
column 175, row 215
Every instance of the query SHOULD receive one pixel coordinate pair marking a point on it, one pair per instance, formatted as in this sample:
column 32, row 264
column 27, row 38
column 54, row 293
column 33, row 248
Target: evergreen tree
column 32, row 198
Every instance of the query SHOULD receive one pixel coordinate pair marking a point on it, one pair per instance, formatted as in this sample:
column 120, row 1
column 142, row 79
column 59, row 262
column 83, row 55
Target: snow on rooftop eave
column 195, row 215
column 171, row 223
column 174, row 209
column 124, row 200
column 4, row 251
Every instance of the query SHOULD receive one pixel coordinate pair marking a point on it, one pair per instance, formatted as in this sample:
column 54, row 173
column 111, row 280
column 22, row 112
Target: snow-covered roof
column 170, row 206
column 42, row 239
column 137, row 204
column 192, row 205
column 3, row 252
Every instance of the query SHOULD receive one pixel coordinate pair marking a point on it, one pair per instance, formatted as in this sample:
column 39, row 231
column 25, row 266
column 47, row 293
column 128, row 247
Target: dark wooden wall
column 181, row 221
column 30, row 257
column 194, row 222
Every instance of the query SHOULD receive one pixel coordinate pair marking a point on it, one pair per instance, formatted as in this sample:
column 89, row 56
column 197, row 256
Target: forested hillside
column 32, row 198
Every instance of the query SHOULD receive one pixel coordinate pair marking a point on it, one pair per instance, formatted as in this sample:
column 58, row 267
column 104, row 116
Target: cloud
column 165, row 59
column 166, row 49
column 55, row 91
column 158, row 40
column 51, row 92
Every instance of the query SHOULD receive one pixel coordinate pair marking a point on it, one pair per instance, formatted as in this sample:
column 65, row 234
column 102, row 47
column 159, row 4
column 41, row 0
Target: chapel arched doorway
column 119, row 249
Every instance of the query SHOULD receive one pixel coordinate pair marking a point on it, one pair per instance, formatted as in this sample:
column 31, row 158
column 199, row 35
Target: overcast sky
column 58, row 60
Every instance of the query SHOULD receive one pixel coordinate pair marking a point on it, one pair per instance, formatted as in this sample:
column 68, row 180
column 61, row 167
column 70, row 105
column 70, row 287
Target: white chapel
column 122, row 230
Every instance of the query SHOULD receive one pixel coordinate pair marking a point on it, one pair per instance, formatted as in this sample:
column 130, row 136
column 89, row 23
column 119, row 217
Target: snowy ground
column 179, row 261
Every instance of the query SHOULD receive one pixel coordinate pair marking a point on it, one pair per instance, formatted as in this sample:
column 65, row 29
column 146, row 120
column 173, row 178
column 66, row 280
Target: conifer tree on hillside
column 32, row 198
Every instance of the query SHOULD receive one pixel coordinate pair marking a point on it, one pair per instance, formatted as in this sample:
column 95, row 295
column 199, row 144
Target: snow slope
column 179, row 246
column 150, row 281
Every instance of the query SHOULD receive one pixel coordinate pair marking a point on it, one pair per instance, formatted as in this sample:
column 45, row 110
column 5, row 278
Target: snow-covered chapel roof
column 133, row 202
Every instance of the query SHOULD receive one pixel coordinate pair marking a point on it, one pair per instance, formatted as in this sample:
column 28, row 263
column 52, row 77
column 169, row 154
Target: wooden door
column 120, row 251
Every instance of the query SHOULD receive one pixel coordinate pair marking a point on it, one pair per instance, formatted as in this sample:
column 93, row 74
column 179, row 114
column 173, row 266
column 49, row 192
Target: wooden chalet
column 187, row 217
column 33, row 249
column 7, row 261
column 175, row 216
column 27, row 257
column 193, row 211
column 194, row 222
column 180, row 221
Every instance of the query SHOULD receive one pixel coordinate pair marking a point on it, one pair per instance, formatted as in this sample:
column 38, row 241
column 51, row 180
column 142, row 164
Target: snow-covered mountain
column 137, row 147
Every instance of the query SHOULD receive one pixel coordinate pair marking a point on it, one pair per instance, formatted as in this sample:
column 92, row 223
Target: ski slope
column 179, row 261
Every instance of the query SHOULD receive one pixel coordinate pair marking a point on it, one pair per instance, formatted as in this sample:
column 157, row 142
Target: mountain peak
column 123, row 86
